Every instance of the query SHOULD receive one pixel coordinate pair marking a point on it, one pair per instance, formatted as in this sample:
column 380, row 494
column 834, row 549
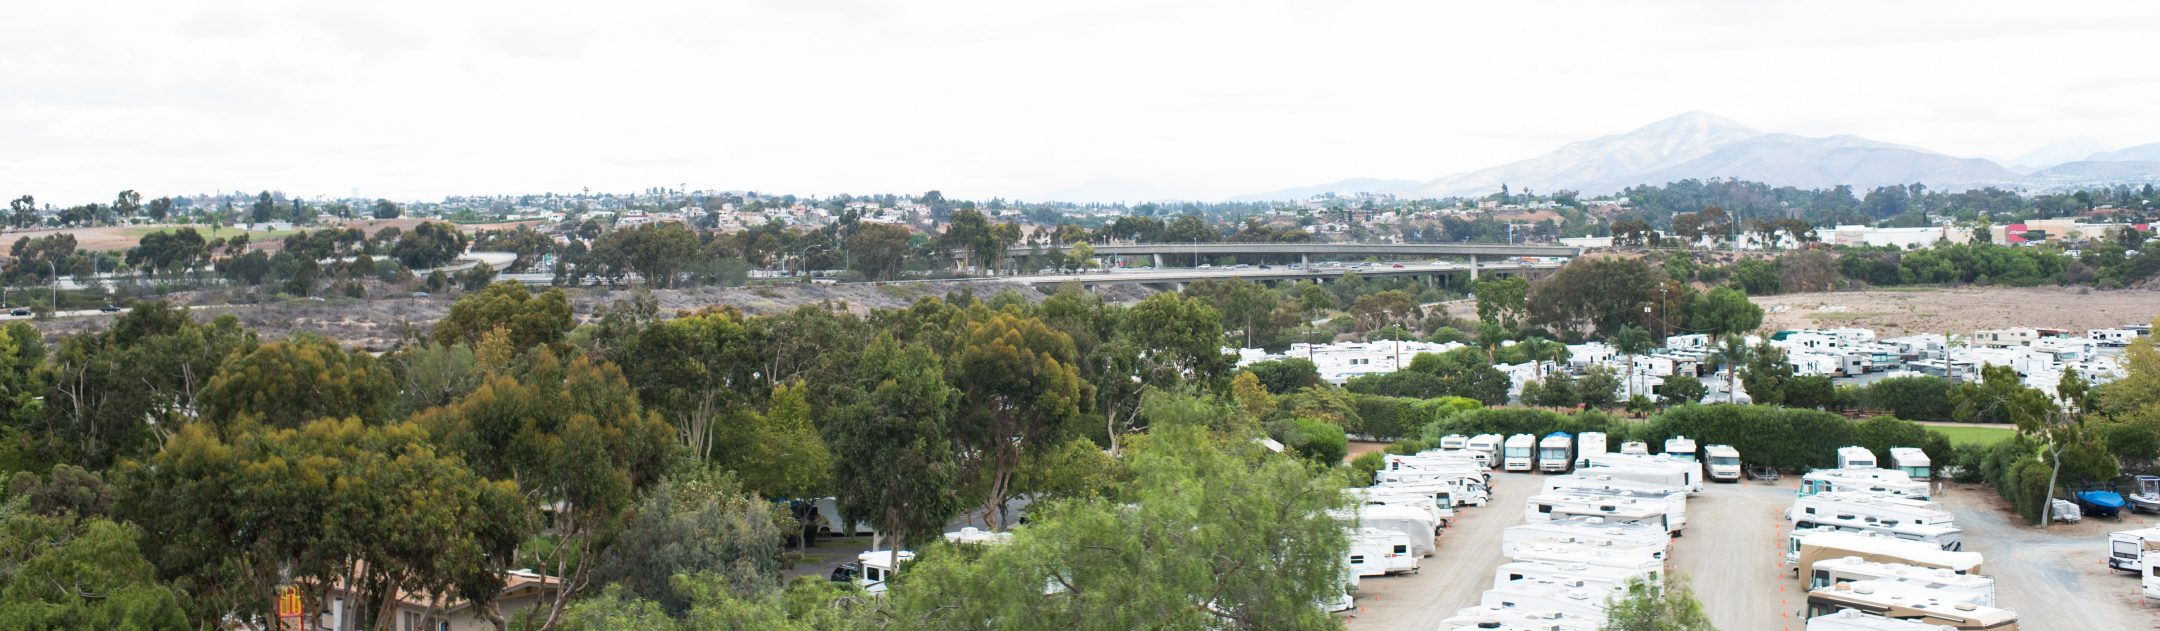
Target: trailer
column 1602, row 553
column 1595, row 531
column 1569, row 597
column 1416, row 524
column 1635, row 448
column 1519, row 453
column 1855, row 457
column 1556, row 452
column 1805, row 547
column 1882, row 482
column 2126, row 548
column 1632, row 510
column 1588, row 443
column 1857, row 620
column 1973, row 588
column 1909, row 602
column 1595, row 578
column 1453, row 442
column 1722, row 462
column 877, row 567
column 1659, row 469
column 1913, row 462
column 1827, row 508
column 1379, row 552
column 1680, row 447
column 1482, row 618
column 1487, row 443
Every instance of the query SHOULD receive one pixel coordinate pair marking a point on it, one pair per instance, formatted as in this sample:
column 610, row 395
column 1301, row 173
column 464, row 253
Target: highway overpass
column 1172, row 278
column 1190, row 254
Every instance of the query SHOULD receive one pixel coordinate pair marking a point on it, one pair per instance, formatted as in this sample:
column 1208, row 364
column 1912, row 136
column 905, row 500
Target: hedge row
column 1785, row 438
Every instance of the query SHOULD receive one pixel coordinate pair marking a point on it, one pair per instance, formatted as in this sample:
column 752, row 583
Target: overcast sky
column 416, row 100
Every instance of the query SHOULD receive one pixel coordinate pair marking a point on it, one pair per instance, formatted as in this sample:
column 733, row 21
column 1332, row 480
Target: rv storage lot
column 1730, row 555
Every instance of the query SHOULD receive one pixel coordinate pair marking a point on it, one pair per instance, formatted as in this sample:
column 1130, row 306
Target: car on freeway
column 110, row 309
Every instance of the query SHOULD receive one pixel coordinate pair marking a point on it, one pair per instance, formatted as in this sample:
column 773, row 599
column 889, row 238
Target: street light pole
column 55, row 286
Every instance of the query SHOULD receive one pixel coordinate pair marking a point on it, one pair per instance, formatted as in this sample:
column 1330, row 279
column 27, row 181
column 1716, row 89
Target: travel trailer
column 1883, row 482
column 1855, row 457
column 2126, row 548
column 1949, row 538
column 1598, row 552
column 1596, row 578
column 1857, row 620
column 1519, row 454
column 1826, row 508
column 1453, row 442
column 1804, row 547
column 1488, row 443
column 877, row 567
column 1483, row 618
column 1630, row 510
column 1908, row 602
column 1572, row 596
column 1411, row 522
column 1912, row 461
column 1592, row 530
column 1659, row 469
column 1635, row 448
column 829, row 520
column 1390, row 496
column 1446, row 492
column 1379, row 552
column 1588, row 443
column 2112, row 337
column 1972, row 588
column 1680, row 447
column 1556, row 452
column 1674, row 498
column 1722, row 463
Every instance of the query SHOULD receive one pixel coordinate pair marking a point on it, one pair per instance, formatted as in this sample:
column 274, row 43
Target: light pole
column 55, row 286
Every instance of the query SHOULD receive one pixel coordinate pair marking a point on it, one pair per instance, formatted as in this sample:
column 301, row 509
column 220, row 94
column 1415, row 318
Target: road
column 2056, row 579
column 1456, row 574
column 1730, row 554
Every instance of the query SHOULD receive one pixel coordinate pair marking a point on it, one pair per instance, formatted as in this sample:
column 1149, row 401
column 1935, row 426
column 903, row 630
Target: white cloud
column 422, row 99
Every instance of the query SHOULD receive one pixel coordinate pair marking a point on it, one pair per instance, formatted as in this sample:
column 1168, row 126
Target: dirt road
column 1730, row 553
column 2055, row 579
column 1455, row 575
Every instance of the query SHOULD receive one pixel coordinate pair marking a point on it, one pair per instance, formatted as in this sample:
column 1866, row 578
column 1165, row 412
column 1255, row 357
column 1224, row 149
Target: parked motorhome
column 1598, row 552
column 1674, row 498
column 1884, row 482
column 1912, row 461
column 1475, row 457
column 1855, row 457
column 1972, row 588
column 1635, row 448
column 1825, row 508
column 1488, row 443
column 1596, row 578
column 829, row 521
column 1722, row 462
column 2112, row 337
column 1453, row 442
column 1572, row 596
column 1680, row 447
column 1857, row 620
column 1949, row 538
column 1454, row 492
column 1411, row 522
column 1519, row 453
column 1585, row 529
column 977, row 536
column 1482, row 618
column 1556, row 452
column 1588, row 443
column 877, row 567
column 1804, row 547
column 1908, row 602
column 1631, row 510
column 1659, row 469
column 2126, row 548
column 1414, row 498
column 1378, row 551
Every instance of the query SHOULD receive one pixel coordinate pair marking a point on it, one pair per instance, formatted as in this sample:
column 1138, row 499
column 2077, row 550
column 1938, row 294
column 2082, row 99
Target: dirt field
column 124, row 237
column 1893, row 313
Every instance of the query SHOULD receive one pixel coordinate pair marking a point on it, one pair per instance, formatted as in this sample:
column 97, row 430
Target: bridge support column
column 1158, row 261
column 1305, row 261
column 1473, row 268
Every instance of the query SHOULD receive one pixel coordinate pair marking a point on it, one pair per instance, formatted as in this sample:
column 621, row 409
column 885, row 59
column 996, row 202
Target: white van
column 1519, row 453
column 1723, row 463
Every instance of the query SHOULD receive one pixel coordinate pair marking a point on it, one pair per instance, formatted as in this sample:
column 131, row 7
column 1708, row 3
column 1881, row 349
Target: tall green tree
column 300, row 379
column 898, row 419
column 1631, row 340
column 1020, row 393
column 58, row 572
column 697, row 521
column 532, row 319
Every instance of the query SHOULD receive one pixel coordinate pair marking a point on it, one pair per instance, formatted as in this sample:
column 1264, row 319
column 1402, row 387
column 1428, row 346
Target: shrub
column 1319, row 441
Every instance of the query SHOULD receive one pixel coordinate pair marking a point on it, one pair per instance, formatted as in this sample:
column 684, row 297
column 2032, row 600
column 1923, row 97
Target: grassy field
column 1982, row 436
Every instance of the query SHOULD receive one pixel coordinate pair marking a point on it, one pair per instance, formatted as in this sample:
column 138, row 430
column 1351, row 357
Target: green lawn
column 1982, row 436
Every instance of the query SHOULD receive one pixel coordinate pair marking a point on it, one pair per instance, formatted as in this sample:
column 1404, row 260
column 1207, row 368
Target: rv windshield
column 1518, row 452
column 1725, row 461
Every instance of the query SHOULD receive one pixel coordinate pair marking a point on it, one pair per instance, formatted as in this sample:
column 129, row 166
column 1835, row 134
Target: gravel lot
column 1730, row 555
column 2055, row 579
column 1456, row 574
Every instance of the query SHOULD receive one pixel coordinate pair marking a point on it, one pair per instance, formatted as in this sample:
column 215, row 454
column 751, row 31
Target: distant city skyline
column 1206, row 100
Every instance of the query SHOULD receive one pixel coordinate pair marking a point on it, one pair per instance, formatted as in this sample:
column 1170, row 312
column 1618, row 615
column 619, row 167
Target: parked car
column 110, row 309
column 846, row 572
column 20, row 313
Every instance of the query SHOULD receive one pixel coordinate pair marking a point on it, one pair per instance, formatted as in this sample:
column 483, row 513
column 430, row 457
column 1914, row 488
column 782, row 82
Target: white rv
column 2126, row 548
column 2112, row 337
column 1389, row 496
column 1633, row 510
column 1680, row 447
column 1588, row 443
column 1453, row 442
column 1378, row 552
column 1519, row 453
column 1857, row 620
column 1723, row 463
column 1411, row 522
column 1906, row 601
column 877, row 567
column 1659, row 469
column 1883, row 482
column 1827, row 507
column 1635, row 448
column 1572, row 596
column 1598, row 578
column 1446, row 492
column 1592, row 551
column 1556, row 452
column 1803, row 548
column 1482, row 618
column 1488, row 443
column 1855, row 457
column 1973, row 588
column 977, row 536
column 1912, row 461
column 1589, row 530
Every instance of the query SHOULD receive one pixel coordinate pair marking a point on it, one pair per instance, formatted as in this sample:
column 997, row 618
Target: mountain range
column 1701, row 146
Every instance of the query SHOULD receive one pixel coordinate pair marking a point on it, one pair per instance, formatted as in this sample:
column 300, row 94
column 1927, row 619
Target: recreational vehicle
column 1446, row 492
column 1556, row 452
column 1675, row 498
column 1592, row 530
column 1387, row 496
column 1453, row 442
column 1658, row 469
column 877, row 567
column 977, row 536
column 1588, row 443
column 1416, row 524
column 1857, row 620
column 1723, row 463
column 1635, row 448
column 1912, row 461
column 1598, row 552
column 1948, row 538
column 1378, row 552
column 1488, row 443
column 2112, row 337
column 2126, row 548
column 1883, row 482
column 1483, row 618
column 1632, row 510
column 1804, row 547
column 1597, row 578
column 1972, row 588
column 1825, row 508
column 1680, row 447
column 829, row 521
column 1855, row 457
column 1908, row 602
column 1572, row 596
column 1519, row 453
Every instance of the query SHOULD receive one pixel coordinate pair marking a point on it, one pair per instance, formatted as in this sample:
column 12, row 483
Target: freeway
column 1309, row 249
column 1142, row 276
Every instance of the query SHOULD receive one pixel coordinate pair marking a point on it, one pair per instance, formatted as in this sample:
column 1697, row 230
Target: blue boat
column 2100, row 502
